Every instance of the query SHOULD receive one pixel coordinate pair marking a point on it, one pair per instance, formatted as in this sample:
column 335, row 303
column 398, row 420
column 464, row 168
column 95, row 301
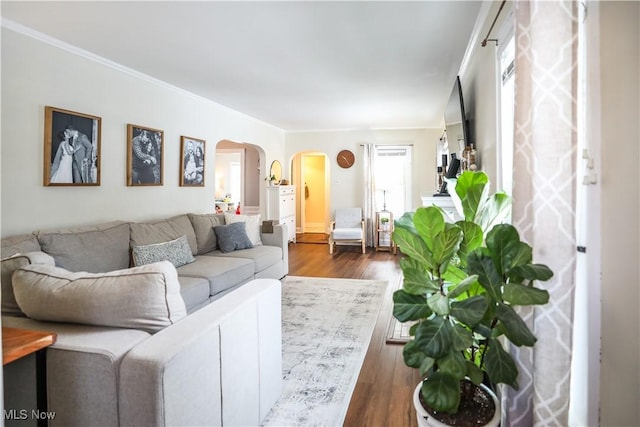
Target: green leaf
column 461, row 338
column 480, row 263
column 441, row 392
column 439, row 304
column 474, row 373
column 426, row 366
column 462, row 287
column 517, row 294
column 472, row 237
column 467, row 180
column 412, row 355
column 446, row 244
column 413, row 246
column 433, row 337
column 405, row 221
column 471, row 310
column 495, row 210
column 429, row 222
column 500, row 365
column 453, row 364
column 418, row 281
column 514, row 327
column 454, row 274
column 534, row 272
column 409, row 307
column 503, row 242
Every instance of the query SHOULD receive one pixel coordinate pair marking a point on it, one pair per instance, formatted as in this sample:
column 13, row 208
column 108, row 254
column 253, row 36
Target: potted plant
column 271, row 179
column 384, row 222
column 461, row 283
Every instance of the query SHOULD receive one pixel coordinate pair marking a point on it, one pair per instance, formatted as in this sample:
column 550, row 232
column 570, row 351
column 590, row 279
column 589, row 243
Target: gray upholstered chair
column 348, row 227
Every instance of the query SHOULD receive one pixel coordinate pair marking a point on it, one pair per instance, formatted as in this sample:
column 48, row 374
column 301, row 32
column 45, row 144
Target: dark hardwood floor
column 383, row 393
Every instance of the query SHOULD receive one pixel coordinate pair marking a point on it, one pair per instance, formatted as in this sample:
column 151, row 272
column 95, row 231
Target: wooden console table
column 18, row 343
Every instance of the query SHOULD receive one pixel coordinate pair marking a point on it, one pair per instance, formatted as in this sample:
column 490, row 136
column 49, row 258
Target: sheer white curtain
column 369, row 201
column 544, row 193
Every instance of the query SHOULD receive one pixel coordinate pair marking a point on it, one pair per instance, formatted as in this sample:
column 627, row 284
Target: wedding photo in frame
column 71, row 148
column 191, row 162
column 144, row 156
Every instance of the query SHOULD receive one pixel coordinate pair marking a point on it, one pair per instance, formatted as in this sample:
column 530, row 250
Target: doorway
column 310, row 175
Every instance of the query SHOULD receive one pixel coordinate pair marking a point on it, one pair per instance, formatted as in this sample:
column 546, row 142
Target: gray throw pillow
column 232, row 237
column 177, row 252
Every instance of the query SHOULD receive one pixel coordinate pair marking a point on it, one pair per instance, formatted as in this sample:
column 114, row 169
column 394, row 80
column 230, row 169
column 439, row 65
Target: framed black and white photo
column 71, row 148
column 191, row 162
column 144, row 156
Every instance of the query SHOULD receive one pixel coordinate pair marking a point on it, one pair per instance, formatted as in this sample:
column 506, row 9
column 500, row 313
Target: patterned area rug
column 326, row 329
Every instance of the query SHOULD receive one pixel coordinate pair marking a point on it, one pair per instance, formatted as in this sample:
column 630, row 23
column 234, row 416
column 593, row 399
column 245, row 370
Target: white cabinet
column 281, row 205
column 443, row 202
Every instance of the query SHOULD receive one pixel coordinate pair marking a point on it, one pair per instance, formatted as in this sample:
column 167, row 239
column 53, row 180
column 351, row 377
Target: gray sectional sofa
column 168, row 322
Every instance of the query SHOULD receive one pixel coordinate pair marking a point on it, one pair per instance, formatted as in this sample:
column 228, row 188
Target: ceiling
column 296, row 65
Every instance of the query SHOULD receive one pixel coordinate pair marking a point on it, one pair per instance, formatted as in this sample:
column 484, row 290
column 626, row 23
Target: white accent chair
column 348, row 227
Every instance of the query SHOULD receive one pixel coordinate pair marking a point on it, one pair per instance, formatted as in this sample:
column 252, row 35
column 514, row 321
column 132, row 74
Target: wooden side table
column 18, row 343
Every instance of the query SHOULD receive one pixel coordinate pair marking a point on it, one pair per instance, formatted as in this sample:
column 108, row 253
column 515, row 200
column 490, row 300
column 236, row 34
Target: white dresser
column 281, row 205
column 443, row 202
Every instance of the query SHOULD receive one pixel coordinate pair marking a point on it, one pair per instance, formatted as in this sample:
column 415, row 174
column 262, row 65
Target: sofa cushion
column 203, row 227
column 194, row 291
column 9, row 265
column 146, row 233
column 262, row 256
column 96, row 249
column 252, row 225
column 232, row 237
column 146, row 297
column 19, row 244
column 177, row 252
column 222, row 273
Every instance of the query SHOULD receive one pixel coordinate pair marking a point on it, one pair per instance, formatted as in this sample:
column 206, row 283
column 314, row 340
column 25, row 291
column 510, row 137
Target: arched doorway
column 237, row 180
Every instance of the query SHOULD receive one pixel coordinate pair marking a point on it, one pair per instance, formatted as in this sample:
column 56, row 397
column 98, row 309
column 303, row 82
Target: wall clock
column 346, row 159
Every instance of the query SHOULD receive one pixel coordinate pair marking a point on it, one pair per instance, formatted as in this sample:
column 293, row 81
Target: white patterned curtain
column 544, row 197
column 369, row 202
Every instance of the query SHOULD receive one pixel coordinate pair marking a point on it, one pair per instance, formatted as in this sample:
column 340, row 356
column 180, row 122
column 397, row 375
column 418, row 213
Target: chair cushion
column 19, row 244
column 347, row 233
column 146, row 297
column 348, row 218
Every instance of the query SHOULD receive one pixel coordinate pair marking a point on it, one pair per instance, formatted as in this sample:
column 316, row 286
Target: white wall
column 36, row 74
column 346, row 185
column 620, row 227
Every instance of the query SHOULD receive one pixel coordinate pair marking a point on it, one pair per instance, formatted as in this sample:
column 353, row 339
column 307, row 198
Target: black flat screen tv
column 455, row 120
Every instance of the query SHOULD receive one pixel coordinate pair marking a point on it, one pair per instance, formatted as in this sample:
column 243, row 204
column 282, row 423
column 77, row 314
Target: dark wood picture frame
column 192, row 151
column 71, row 148
column 145, row 154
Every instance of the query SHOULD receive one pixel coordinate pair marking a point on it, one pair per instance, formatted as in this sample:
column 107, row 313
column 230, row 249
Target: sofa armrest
column 279, row 238
column 230, row 349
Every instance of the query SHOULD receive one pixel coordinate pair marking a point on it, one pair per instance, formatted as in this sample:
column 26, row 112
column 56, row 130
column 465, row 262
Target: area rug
column 326, row 330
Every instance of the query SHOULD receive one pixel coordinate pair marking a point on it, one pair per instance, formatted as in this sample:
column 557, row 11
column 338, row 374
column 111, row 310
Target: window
column 392, row 177
column 507, row 98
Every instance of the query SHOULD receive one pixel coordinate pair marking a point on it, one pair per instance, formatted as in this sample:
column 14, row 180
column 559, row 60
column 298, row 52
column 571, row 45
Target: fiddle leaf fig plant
column 461, row 283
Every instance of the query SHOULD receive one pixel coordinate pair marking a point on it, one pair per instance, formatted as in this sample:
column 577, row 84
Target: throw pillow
column 177, row 252
column 9, row 265
column 232, row 237
column 252, row 226
column 146, row 298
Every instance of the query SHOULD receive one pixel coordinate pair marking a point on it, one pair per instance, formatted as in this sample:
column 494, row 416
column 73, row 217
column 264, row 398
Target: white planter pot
column 426, row 420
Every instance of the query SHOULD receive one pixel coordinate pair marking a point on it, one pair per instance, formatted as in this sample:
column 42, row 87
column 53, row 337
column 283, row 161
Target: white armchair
column 348, row 227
